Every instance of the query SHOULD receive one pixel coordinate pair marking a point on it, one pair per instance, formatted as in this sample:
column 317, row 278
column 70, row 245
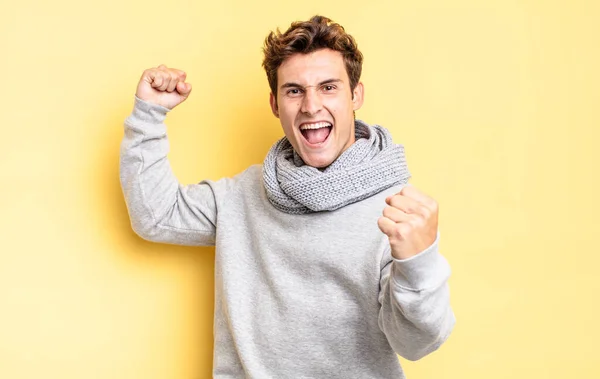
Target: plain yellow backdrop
column 496, row 102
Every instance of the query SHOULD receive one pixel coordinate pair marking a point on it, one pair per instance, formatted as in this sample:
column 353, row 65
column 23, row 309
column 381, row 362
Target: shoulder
column 249, row 178
column 250, row 175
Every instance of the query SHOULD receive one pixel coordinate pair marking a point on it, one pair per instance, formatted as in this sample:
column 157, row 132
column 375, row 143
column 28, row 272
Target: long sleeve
column 160, row 208
column 415, row 312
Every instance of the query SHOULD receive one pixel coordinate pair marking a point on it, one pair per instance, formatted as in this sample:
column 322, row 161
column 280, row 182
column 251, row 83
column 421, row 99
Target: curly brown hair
column 305, row 37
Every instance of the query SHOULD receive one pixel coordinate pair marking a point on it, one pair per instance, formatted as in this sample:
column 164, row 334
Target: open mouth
column 316, row 133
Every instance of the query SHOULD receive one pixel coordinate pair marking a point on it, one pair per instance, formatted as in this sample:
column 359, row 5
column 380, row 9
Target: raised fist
column 163, row 86
column 410, row 221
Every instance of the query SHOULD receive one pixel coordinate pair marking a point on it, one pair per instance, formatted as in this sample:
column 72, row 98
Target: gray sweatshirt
column 296, row 296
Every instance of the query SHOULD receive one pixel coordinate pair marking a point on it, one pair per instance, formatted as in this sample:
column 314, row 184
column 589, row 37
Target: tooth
column 317, row 125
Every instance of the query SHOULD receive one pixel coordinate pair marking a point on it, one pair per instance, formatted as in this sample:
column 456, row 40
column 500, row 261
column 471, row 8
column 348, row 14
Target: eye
column 328, row 88
column 294, row 92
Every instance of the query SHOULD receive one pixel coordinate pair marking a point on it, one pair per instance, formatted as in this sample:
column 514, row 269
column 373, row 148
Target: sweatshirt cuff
column 145, row 112
column 423, row 271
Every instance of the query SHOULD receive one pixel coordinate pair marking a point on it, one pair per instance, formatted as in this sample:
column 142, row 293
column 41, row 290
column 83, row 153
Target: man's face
column 315, row 105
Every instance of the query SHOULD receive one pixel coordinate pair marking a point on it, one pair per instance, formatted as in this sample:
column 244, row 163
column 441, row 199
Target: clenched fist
column 410, row 221
column 163, row 86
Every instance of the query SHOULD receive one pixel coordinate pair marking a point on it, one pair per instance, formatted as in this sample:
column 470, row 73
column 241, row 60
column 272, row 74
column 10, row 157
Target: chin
column 317, row 162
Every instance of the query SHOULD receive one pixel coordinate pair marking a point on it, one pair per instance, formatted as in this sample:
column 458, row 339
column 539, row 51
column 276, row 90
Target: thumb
column 184, row 88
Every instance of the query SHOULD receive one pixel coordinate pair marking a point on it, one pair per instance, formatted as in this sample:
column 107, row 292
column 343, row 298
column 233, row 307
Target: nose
column 311, row 104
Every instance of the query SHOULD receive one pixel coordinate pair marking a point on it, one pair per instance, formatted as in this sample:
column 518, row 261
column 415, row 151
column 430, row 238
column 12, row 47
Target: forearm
column 161, row 209
column 415, row 310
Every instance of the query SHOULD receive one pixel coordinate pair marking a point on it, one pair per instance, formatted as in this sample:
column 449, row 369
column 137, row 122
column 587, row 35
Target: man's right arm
column 160, row 208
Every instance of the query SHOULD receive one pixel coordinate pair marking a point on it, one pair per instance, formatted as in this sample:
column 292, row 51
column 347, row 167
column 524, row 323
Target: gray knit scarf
column 370, row 165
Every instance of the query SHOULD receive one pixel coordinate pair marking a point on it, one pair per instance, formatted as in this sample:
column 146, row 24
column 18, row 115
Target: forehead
column 312, row 68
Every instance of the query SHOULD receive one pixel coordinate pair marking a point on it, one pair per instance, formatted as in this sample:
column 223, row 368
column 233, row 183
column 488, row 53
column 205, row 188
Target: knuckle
column 414, row 223
column 425, row 211
column 404, row 229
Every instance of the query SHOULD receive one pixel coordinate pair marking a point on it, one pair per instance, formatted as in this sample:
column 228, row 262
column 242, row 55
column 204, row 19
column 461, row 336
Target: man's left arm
column 415, row 312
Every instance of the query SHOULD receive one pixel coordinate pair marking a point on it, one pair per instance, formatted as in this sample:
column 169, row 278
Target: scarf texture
column 370, row 165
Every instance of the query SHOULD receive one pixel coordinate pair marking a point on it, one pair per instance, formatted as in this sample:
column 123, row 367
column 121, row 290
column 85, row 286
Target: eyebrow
column 296, row 85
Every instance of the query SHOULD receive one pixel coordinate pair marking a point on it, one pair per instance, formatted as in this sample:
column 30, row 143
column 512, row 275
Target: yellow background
column 496, row 102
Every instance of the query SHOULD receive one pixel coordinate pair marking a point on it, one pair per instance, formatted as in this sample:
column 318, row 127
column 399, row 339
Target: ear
column 358, row 96
column 274, row 107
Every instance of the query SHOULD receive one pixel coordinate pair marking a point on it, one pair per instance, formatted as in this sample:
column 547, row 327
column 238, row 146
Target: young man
column 327, row 261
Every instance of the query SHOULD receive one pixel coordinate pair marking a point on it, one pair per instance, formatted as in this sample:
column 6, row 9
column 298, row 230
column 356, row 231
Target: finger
column 156, row 79
column 184, row 88
column 173, row 80
column 387, row 226
column 162, row 66
column 414, row 193
column 405, row 204
column 165, row 80
column 395, row 214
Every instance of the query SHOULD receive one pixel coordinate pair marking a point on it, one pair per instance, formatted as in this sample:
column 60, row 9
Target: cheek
column 338, row 105
column 287, row 115
column 289, row 110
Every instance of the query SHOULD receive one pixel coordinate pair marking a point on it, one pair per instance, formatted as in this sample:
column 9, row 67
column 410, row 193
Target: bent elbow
column 416, row 354
column 145, row 228
column 429, row 341
column 422, row 351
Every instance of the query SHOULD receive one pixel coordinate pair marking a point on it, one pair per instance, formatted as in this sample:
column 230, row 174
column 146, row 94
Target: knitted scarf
column 370, row 165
